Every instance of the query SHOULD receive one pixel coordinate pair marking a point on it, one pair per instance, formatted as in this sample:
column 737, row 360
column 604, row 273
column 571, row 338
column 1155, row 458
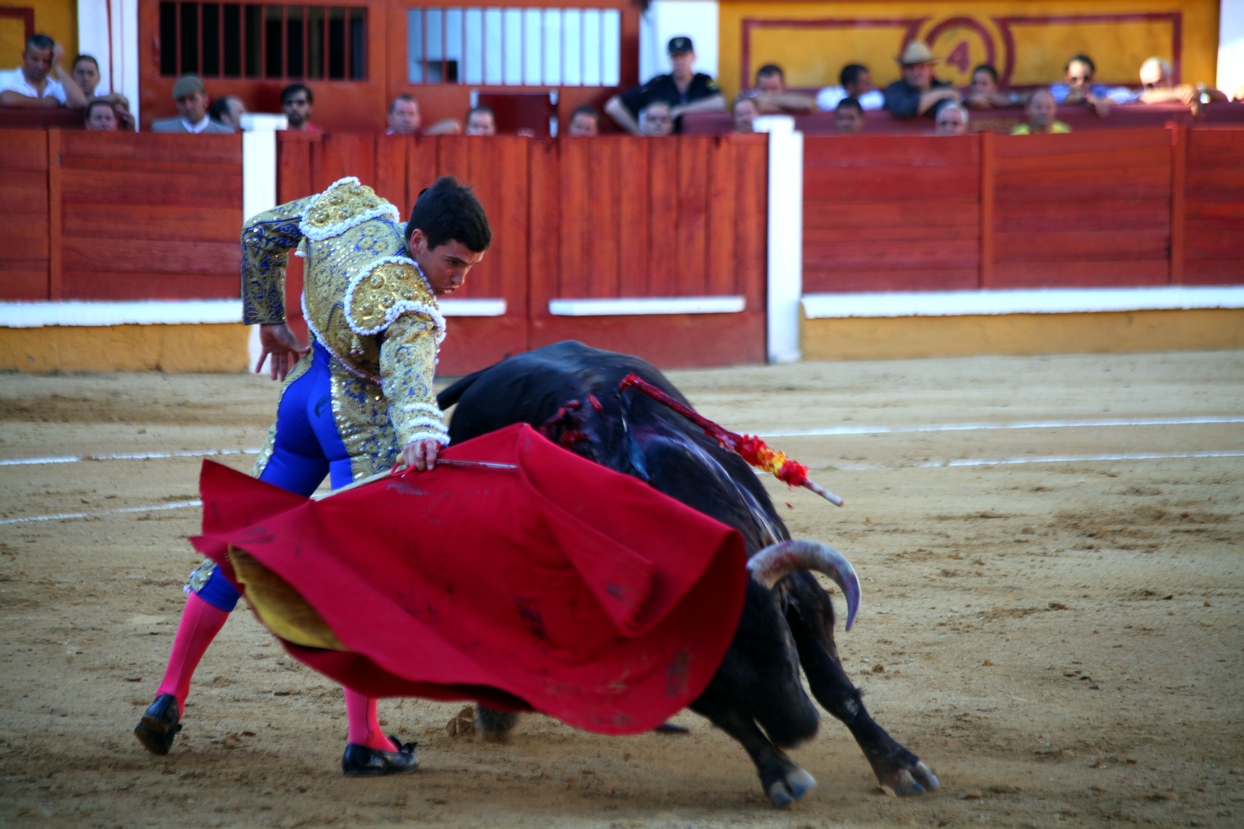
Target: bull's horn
column 775, row 562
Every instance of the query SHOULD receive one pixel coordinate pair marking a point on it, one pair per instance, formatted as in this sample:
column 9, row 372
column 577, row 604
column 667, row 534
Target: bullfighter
column 354, row 401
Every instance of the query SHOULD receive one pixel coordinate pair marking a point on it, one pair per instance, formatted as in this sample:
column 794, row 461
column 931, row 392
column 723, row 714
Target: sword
column 392, row 473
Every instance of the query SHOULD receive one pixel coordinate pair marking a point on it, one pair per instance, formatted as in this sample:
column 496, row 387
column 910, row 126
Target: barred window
column 245, row 40
column 514, row 47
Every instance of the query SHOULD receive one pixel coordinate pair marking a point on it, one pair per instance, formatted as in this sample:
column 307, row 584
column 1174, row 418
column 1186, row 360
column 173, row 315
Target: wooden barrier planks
column 622, row 218
column 891, row 213
column 25, row 254
column 1082, row 209
column 149, row 216
column 1214, row 207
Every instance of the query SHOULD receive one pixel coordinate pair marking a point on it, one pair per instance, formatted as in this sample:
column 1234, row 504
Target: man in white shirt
column 191, row 101
column 855, row 82
column 29, row 86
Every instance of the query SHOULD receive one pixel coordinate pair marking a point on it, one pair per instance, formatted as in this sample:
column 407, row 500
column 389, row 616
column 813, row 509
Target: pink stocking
column 364, row 724
column 200, row 622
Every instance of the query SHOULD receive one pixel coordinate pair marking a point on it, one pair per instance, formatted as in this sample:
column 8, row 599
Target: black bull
column 571, row 392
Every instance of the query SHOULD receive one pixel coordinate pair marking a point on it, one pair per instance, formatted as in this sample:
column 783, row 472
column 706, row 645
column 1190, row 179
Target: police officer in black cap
column 683, row 89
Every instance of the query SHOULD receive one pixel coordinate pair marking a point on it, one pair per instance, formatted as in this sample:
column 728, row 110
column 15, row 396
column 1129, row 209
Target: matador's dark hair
column 448, row 211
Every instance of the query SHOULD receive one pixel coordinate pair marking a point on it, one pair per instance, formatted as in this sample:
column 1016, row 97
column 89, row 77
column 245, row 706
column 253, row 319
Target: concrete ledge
column 646, row 306
column 39, row 314
column 172, row 348
column 1039, row 301
column 888, row 337
column 472, row 307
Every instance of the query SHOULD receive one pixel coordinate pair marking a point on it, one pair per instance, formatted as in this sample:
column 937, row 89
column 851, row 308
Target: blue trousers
column 307, row 448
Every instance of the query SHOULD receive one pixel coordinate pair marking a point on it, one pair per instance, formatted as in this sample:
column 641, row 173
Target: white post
column 124, row 62
column 259, row 161
column 94, row 39
column 259, row 179
column 785, row 247
column 1231, row 46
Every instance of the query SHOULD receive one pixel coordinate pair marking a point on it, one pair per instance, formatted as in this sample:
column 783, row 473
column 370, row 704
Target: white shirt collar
column 196, row 128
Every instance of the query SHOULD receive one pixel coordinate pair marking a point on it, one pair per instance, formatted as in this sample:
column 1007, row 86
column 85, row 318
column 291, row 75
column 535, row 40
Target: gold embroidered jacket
column 364, row 299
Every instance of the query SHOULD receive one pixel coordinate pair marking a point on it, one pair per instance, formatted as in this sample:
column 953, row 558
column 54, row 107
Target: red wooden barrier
column 150, row 216
column 619, row 217
column 615, row 217
column 1214, row 207
column 119, row 216
column 25, row 254
column 114, row 217
column 1090, row 209
column 891, row 213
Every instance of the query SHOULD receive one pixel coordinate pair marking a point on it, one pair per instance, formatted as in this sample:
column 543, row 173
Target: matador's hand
column 421, row 455
column 279, row 343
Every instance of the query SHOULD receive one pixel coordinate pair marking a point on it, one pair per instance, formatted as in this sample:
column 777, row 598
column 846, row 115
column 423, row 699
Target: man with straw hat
column 918, row 93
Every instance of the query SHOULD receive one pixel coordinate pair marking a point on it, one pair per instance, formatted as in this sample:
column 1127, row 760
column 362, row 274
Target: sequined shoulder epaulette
column 344, row 205
column 384, row 290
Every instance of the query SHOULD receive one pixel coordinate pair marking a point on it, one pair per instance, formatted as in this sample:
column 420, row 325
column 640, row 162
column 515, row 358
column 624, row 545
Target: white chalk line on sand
column 1146, row 456
column 129, row 456
column 1139, row 456
column 72, row 516
column 986, row 427
column 828, row 431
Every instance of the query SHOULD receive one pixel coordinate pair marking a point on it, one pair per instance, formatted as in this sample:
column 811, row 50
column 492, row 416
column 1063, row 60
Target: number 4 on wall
column 959, row 57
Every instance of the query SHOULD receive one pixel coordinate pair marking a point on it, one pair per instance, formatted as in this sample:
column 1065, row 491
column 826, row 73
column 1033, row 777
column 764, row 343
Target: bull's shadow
column 571, row 393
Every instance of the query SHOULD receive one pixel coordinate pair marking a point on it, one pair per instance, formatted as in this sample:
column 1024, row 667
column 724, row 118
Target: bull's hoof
column 911, row 781
column 791, row 787
column 494, row 726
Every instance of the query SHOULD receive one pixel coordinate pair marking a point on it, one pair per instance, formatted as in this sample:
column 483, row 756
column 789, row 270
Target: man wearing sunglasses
column 1078, row 88
column 1158, row 86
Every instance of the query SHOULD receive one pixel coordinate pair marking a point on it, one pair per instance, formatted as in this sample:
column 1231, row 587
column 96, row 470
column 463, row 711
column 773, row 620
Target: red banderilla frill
column 748, row 447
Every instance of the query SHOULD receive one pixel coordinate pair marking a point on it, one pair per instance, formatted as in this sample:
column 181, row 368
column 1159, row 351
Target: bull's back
column 531, row 387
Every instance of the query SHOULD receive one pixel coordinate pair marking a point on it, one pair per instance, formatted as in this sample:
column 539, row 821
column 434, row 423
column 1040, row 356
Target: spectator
column 100, row 116
column 1078, row 88
column 405, row 119
column 918, row 93
column 952, row 119
column 1158, row 87
column 656, row 119
column 771, row 95
column 849, row 117
column 29, row 86
column 855, row 81
column 1041, row 116
column 85, row 72
column 984, row 92
column 683, row 90
column 297, row 102
column 584, row 123
column 744, row 112
column 192, row 103
column 228, row 111
column 481, row 121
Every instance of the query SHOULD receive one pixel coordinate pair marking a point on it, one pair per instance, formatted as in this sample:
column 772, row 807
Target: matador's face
column 446, row 266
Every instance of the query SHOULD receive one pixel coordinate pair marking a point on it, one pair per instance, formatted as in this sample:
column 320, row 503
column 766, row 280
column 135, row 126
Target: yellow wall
column 812, row 56
column 57, row 19
column 885, row 338
column 171, row 348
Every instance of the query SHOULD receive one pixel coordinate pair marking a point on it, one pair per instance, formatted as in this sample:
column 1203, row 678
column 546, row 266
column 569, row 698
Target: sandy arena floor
column 1051, row 615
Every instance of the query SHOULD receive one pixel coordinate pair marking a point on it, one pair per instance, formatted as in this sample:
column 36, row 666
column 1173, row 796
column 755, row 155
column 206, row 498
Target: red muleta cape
column 560, row 586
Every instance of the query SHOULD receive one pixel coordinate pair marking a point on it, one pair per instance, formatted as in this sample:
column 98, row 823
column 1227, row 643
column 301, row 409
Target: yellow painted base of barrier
column 881, row 338
column 176, row 349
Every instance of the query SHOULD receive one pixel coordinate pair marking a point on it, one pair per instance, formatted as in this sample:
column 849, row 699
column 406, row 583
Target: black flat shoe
column 361, row 761
column 159, row 725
